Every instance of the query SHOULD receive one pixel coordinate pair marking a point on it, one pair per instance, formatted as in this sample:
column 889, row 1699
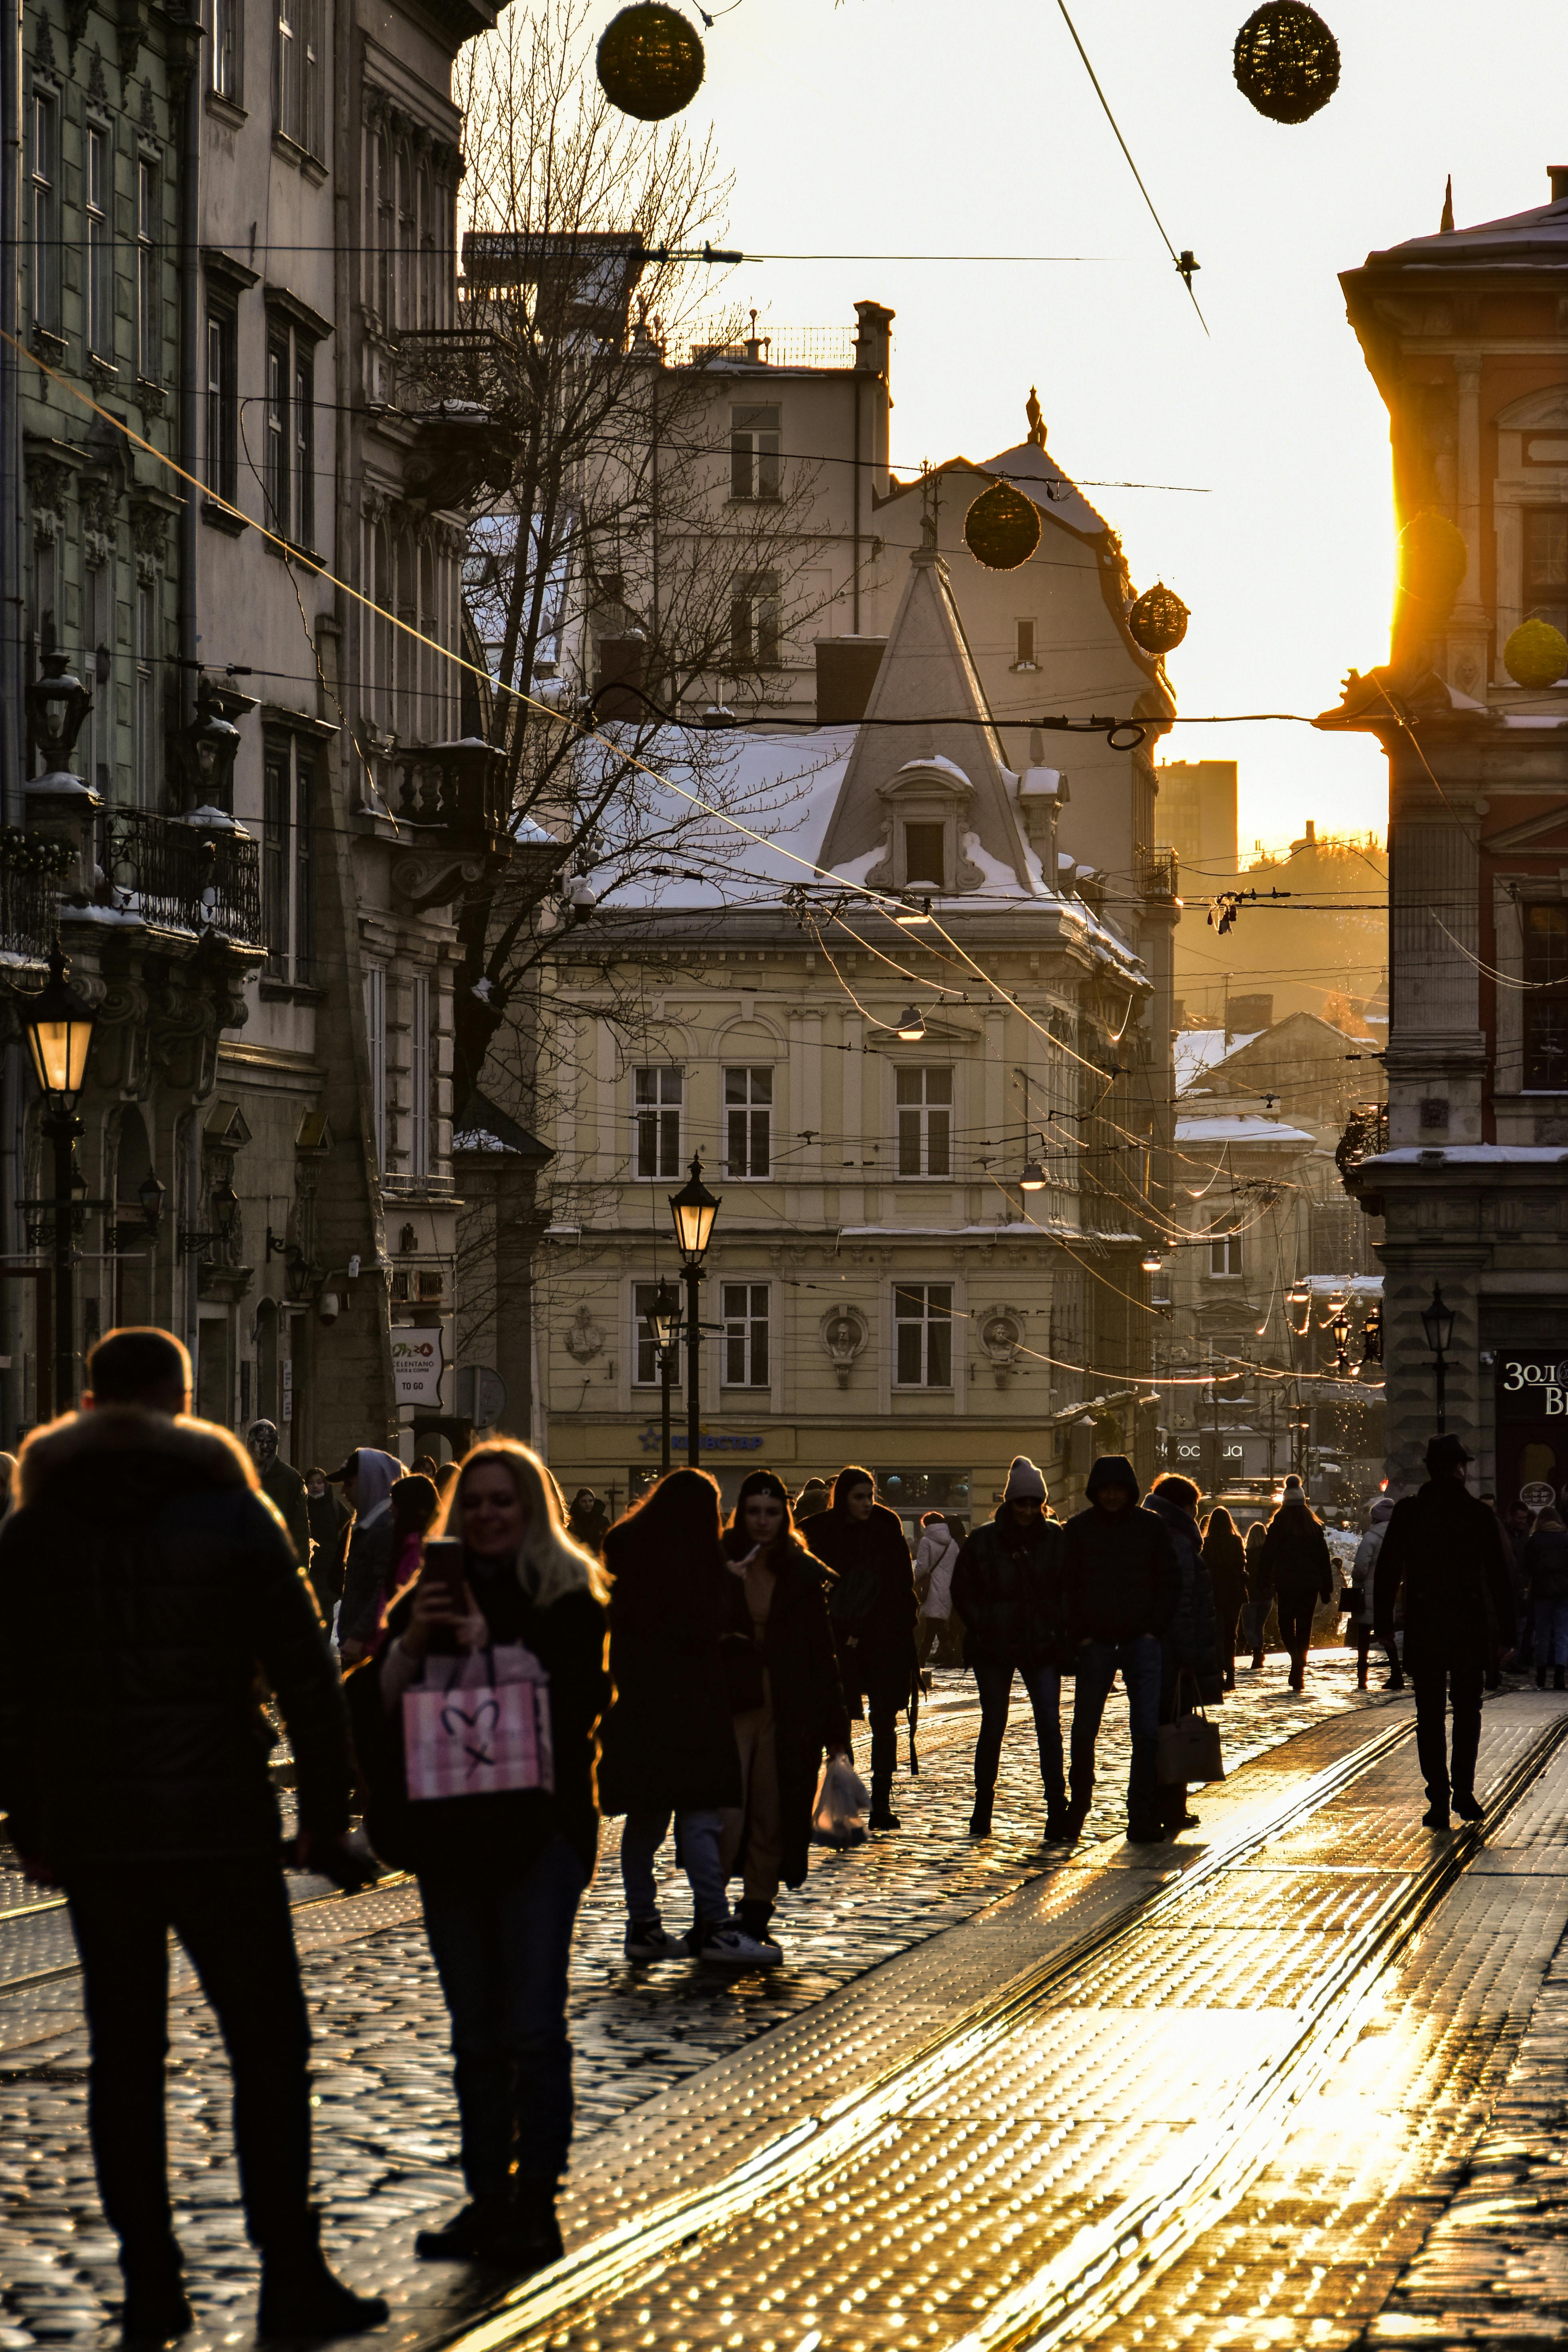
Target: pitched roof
column 1538, row 236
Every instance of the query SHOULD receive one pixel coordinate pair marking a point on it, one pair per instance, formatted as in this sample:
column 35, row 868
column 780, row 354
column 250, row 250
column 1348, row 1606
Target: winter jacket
column 149, row 1595
column 668, row 1740
column 1008, row 1589
column 872, row 1604
column 1192, row 1640
column 465, row 1842
column 1259, row 1588
column 1224, row 1557
column 285, row 1490
column 936, row 1555
column 1121, row 1574
column 1363, row 1568
column 326, row 1515
column 1545, row 1566
column 1296, row 1556
column 1445, row 1552
column 369, row 1579
column 803, row 1689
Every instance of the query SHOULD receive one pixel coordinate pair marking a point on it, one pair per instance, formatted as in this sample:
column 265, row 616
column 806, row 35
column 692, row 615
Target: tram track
column 580, row 2291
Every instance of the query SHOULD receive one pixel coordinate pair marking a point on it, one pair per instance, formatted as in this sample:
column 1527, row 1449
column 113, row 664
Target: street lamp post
column 665, row 1323
column 694, row 1209
column 57, row 1027
column 1438, row 1322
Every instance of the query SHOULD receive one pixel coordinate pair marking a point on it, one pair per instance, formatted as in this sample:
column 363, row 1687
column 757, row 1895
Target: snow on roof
column 1194, row 1051
column 1467, row 1155
column 1042, row 479
column 1239, row 1129
column 479, row 1139
column 1354, row 1286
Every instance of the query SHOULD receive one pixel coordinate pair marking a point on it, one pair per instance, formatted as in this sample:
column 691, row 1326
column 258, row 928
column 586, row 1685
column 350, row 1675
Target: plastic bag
column 838, row 1816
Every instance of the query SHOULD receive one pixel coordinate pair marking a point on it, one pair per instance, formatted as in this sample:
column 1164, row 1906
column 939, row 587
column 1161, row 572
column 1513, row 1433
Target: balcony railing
column 27, row 913
column 458, row 787
column 181, row 877
column 1158, row 873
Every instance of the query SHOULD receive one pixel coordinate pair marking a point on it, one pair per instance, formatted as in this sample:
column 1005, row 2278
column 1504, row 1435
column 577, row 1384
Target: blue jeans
column 501, row 1955
column 1552, row 1633
column 1139, row 1661
column 1044, row 1684
column 698, row 1836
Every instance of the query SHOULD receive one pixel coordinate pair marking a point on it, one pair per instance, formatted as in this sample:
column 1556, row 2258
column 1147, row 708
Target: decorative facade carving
column 49, row 485
column 149, row 540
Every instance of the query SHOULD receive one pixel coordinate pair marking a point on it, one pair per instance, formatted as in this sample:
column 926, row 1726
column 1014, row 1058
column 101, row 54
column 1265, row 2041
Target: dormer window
column 928, row 803
column 924, row 855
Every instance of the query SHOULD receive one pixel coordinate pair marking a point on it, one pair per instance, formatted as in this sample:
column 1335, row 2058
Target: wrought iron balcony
column 28, row 893
column 181, row 876
column 1158, row 873
column 457, row 788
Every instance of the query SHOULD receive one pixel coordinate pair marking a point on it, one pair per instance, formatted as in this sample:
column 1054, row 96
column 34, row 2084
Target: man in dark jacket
column 145, row 1586
column 873, row 1608
column 1007, row 1591
column 1123, row 1588
column 1445, row 1550
column 1299, row 1566
column 1190, row 1671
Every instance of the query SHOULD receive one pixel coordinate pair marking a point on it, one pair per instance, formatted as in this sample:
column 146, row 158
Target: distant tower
column 1446, row 226
column 1036, row 417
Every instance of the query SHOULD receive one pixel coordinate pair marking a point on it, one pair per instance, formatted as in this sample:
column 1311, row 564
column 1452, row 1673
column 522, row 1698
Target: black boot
column 882, row 1814
column 530, row 2239
column 1541, row 1679
column 1074, row 1817
column 299, row 2296
column 753, row 1916
column 468, row 2237
column 980, row 1819
column 156, row 2309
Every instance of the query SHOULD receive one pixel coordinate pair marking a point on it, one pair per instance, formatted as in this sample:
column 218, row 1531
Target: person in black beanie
column 1008, row 1589
column 1123, row 1587
column 873, row 1608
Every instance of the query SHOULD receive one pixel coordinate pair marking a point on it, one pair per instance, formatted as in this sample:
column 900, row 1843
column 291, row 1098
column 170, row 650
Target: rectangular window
column 100, row 719
column 304, row 864
column 297, row 78
column 1546, row 1006
column 646, row 1375
column 275, row 429
column 745, row 1310
column 754, row 622
column 275, row 858
column 223, row 404
column 748, row 1122
column 226, row 48
column 149, row 304
column 376, row 1051
column 419, row 1077
column 303, row 452
column 1023, row 653
column 288, row 858
column 923, row 854
column 1546, row 565
column 46, row 195
column 98, row 191
column 922, row 1330
column 656, row 1122
column 754, row 452
column 1225, row 1253
column 925, row 1122
column 146, row 695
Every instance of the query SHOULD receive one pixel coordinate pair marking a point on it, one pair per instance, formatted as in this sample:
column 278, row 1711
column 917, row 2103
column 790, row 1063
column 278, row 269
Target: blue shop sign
column 711, row 1441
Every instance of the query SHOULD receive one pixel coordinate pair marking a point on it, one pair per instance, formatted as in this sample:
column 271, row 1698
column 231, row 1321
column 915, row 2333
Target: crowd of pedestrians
column 490, row 1668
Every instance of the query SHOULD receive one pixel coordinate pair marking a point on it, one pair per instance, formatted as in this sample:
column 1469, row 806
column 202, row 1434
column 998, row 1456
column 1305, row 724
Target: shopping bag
column 838, row 1816
column 479, row 1742
column 1190, row 1749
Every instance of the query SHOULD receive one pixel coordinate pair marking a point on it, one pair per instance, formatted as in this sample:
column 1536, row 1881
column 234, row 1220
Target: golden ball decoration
column 1433, row 560
column 650, row 62
column 1287, row 61
column 1536, row 654
column 1158, row 621
column 1002, row 529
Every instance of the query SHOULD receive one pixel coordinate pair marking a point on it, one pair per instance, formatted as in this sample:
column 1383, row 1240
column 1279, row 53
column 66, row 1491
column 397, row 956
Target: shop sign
column 417, row 1366
column 1532, row 1393
column 711, row 1441
column 1531, row 1387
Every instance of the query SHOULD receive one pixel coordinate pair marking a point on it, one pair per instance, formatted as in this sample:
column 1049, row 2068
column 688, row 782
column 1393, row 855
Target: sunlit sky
column 899, row 127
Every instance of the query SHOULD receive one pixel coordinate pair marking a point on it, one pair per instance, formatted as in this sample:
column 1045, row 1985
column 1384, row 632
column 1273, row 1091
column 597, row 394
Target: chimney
column 1558, row 176
column 1311, row 834
column 873, row 342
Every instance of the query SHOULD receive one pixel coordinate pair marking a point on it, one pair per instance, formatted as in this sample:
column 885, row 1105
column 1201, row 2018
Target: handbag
column 483, row 1740
column 1189, row 1749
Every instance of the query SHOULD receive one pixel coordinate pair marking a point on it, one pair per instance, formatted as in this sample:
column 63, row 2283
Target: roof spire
column 1446, row 226
column 1036, row 417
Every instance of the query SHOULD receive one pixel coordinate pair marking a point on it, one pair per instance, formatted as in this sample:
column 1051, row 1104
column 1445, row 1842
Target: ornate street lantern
column 650, row 62
column 208, row 749
column 58, row 702
column 1287, row 61
column 1158, row 621
column 1002, row 529
column 57, row 1027
column 694, row 1208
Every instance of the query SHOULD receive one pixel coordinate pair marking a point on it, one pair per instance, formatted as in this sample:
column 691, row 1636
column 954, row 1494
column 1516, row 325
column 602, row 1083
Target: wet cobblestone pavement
column 679, row 2038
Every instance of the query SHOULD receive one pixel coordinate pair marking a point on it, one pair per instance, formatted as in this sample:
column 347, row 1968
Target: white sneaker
column 731, row 1948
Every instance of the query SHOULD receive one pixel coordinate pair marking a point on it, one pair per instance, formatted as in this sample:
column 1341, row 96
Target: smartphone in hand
column 441, row 1569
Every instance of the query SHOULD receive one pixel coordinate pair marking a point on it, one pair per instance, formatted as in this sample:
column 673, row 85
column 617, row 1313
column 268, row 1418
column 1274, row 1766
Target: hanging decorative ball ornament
column 1002, row 529
column 1287, row 61
column 650, row 62
column 1536, row 654
column 1159, row 620
column 1433, row 560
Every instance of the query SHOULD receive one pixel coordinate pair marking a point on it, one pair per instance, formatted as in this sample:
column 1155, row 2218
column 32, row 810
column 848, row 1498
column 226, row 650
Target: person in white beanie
column 1008, row 1589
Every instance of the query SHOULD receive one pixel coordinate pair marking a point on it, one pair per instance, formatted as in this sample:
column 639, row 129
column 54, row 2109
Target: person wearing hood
column 1364, row 1571
column 1009, row 1591
column 367, row 1479
column 149, row 1594
column 283, row 1485
column 1190, row 1675
column 1446, row 1555
column 1224, row 1557
column 936, row 1557
column 1123, row 1587
column 873, row 1610
column 1300, row 1567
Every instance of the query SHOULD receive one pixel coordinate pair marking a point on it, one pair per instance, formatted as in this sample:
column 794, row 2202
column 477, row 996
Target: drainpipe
column 855, row 494
column 12, row 665
column 190, row 352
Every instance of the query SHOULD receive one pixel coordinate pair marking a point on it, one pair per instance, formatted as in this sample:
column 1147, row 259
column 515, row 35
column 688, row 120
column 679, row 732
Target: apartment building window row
column 924, row 1107
column 922, row 1335
column 756, row 442
column 298, row 80
column 44, row 197
column 98, row 196
column 744, row 1309
column 289, row 857
column 226, row 49
column 289, row 430
column 222, row 399
column 657, row 1100
column 748, row 1122
column 754, row 610
column 410, row 197
column 412, row 573
column 149, row 268
column 1225, row 1251
column 1545, row 929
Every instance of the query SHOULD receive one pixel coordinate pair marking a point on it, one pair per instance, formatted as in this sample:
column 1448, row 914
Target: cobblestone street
column 386, row 2144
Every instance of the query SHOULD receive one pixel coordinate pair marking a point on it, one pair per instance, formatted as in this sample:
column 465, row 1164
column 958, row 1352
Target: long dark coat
column 1225, row 1556
column 1446, row 1553
column 1009, row 1588
column 873, row 1606
column 809, row 1714
column 668, row 1741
